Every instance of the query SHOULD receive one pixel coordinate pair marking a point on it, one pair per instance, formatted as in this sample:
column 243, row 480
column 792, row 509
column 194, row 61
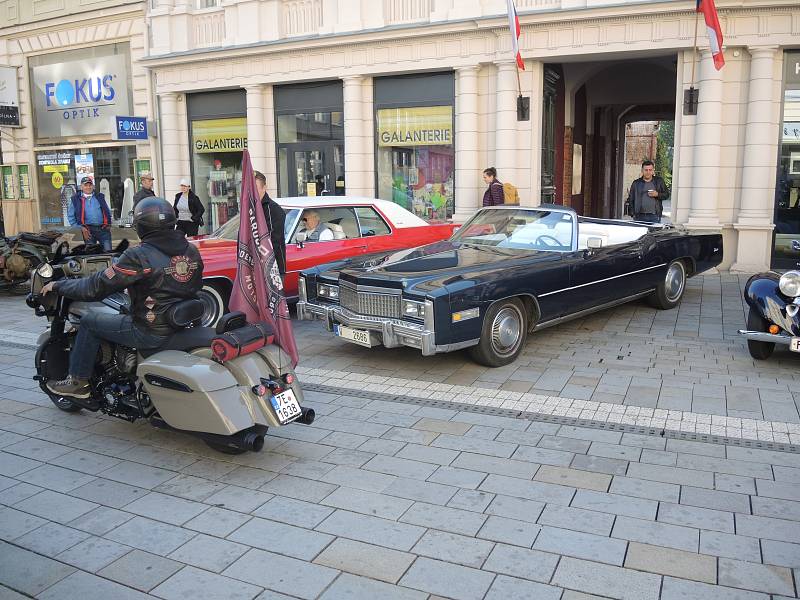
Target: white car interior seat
column 609, row 233
column 338, row 231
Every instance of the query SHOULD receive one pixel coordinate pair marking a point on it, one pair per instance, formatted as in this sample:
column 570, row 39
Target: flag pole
column 691, row 96
column 694, row 46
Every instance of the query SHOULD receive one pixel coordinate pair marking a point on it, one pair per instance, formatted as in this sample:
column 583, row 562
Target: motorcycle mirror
column 122, row 246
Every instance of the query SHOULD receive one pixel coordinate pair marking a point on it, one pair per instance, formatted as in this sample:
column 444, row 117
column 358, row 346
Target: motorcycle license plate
column 794, row 344
column 357, row 336
column 286, row 406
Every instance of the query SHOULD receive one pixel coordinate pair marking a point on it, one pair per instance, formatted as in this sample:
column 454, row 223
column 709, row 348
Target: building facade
column 409, row 100
column 78, row 65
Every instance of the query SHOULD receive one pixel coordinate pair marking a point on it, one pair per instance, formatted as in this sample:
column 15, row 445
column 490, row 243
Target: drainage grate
column 572, row 421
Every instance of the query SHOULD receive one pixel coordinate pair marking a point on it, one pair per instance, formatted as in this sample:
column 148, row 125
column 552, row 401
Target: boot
column 71, row 387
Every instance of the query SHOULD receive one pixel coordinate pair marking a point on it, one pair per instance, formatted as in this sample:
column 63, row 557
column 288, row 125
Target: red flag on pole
column 258, row 288
column 513, row 25
column 709, row 11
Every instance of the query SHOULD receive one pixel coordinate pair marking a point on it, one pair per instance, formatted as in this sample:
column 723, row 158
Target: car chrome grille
column 369, row 303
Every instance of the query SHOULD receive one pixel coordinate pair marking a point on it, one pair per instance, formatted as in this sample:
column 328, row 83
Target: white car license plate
column 286, row 406
column 358, row 336
column 794, row 344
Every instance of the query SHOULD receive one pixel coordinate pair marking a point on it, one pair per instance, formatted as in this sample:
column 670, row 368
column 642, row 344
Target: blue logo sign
column 84, row 96
column 130, row 128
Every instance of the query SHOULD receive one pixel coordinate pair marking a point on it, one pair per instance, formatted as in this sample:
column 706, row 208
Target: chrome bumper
column 392, row 333
column 761, row 336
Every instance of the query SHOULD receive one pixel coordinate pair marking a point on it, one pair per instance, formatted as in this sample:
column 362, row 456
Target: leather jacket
column 164, row 270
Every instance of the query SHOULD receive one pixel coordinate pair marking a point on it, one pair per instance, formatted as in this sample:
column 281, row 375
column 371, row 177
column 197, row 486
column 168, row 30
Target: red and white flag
column 258, row 288
column 714, row 30
column 513, row 25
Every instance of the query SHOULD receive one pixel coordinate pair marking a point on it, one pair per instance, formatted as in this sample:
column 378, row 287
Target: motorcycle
column 225, row 385
column 774, row 315
column 22, row 253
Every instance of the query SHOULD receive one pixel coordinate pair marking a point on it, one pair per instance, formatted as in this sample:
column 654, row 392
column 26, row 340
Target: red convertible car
column 356, row 225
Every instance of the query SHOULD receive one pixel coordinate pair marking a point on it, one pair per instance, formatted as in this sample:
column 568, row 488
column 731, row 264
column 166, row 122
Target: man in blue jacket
column 89, row 211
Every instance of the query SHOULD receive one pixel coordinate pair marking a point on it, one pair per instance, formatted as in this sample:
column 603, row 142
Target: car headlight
column 789, row 284
column 325, row 290
column 45, row 271
column 413, row 309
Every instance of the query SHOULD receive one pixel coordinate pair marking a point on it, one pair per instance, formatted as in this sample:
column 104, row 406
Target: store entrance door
column 314, row 169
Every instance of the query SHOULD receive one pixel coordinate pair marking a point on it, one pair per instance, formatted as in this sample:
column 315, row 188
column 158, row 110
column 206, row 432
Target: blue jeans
column 98, row 235
column 96, row 326
column 647, row 218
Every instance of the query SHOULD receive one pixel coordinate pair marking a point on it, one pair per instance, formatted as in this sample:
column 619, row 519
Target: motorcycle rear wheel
column 758, row 350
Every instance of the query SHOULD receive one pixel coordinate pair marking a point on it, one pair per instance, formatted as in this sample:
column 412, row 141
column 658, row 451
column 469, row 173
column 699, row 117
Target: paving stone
column 573, row 595
column 492, row 421
column 690, row 447
column 578, row 519
column 28, row 572
column 150, row 536
column 439, row 426
column 279, row 537
column 525, row 438
column 522, row 562
column 668, row 561
column 165, row 508
column 471, row 500
column 190, row 487
column 37, row 449
column 348, row 457
column 446, row 519
column 412, row 436
column 424, row 491
column 759, row 578
column 573, row 478
column 293, row 512
column 475, row 445
column 782, row 554
column 607, row 580
column 774, row 507
column 46, row 504
column 358, row 479
column 217, row 521
column 15, row 523
column 194, row 583
column 93, row 554
column 209, row 553
column 401, row 467
column 544, row 456
column 509, row 588
column 593, row 435
column 138, row 475
column 91, row 463
column 715, row 499
column 659, row 457
column 669, row 536
column 366, row 559
column 108, row 493
column 581, row 545
column 382, row 446
column 101, row 520
column 771, row 489
column 299, row 488
column 767, row 527
column 722, row 465
column 730, row 546
column 680, row 589
column 735, row 483
column 615, row 504
column 90, row 587
column 509, row 531
column 599, row 464
column 454, row 476
column 515, row 508
column 55, row 478
column 690, row 516
column 140, row 570
column 786, row 474
column 361, row 588
column 454, row 581
column 428, row 454
column 500, row 466
column 643, row 441
column 286, row 575
column 372, row 530
column 626, row 453
column 564, row 444
column 652, row 490
column 368, row 503
column 671, row 475
column 530, row 490
column 248, row 477
column 51, row 539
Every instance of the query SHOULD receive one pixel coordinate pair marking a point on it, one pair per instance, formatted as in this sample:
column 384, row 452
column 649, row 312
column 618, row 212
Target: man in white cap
column 146, row 190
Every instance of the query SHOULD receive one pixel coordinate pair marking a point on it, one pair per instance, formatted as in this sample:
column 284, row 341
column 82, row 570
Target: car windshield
column 230, row 230
column 519, row 228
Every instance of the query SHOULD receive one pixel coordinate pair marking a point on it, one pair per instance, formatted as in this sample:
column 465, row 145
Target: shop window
column 416, row 159
column 786, row 248
column 370, row 222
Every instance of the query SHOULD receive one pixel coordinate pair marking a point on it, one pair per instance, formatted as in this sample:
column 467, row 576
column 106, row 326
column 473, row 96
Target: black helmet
column 153, row 214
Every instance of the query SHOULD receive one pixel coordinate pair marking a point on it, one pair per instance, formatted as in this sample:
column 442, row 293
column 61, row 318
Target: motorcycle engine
column 17, row 267
column 126, row 360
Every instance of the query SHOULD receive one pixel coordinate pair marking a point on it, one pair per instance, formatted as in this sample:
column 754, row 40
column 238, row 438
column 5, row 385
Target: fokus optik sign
column 78, row 97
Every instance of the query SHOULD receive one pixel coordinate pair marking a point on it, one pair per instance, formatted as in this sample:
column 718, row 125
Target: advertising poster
column 84, row 167
column 55, row 187
column 23, row 174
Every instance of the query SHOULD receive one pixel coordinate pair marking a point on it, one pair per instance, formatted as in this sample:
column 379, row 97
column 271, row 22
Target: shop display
column 23, row 174
column 7, row 182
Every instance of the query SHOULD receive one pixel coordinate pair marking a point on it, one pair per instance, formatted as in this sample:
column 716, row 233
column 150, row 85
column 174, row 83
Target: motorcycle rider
column 164, row 270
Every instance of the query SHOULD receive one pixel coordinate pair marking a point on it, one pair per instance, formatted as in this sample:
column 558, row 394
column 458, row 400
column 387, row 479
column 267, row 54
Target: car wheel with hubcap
column 214, row 303
column 505, row 329
column 758, row 350
column 669, row 292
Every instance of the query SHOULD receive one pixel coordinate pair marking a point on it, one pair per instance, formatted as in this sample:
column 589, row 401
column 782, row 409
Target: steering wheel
column 546, row 241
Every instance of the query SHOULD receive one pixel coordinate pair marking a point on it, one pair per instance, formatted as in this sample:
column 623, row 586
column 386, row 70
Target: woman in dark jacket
column 188, row 209
column 494, row 195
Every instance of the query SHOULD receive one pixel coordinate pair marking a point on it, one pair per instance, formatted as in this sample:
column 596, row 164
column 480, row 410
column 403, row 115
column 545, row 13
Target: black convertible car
column 506, row 272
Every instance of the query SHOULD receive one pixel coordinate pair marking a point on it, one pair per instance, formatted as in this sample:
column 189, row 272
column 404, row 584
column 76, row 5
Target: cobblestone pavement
column 385, row 500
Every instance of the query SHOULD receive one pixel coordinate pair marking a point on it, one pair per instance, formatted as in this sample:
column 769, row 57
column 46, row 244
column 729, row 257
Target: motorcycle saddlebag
column 241, row 341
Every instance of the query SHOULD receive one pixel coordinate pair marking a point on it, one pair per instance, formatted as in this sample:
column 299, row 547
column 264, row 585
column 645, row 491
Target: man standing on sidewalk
column 646, row 195
column 89, row 211
column 146, row 190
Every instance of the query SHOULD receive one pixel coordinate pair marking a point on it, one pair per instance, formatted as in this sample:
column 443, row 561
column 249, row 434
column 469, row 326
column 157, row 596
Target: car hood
column 430, row 268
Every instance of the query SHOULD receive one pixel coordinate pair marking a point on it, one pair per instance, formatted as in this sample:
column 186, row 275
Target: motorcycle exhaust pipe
column 307, row 416
column 250, row 439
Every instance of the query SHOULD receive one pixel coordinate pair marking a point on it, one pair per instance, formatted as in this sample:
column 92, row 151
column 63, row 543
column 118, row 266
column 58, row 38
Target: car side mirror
column 594, row 243
column 300, row 238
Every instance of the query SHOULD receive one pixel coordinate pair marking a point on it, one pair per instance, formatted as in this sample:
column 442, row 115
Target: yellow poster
column 55, row 168
column 219, row 135
column 58, row 180
column 415, row 126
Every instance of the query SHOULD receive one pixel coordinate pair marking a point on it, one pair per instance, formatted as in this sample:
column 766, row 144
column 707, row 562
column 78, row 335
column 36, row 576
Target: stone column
column 256, row 134
column 706, row 156
column 754, row 221
column 535, row 78
column 357, row 154
column 506, row 122
column 469, row 187
column 171, row 143
column 270, row 142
